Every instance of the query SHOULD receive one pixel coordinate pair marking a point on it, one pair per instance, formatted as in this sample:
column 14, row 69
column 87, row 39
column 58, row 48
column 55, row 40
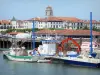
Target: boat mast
column 91, row 49
column 33, row 34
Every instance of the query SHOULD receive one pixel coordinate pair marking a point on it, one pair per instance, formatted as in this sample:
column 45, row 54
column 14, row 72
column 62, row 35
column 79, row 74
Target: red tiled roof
column 93, row 22
column 14, row 33
column 71, row 19
column 5, row 22
column 67, row 32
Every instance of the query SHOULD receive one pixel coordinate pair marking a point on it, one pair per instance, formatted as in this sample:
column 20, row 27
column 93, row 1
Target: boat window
column 47, row 42
column 43, row 42
column 80, row 57
column 95, row 45
column 90, row 57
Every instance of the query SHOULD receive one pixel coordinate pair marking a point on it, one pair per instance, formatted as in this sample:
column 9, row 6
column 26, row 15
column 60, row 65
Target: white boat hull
column 81, row 62
column 22, row 58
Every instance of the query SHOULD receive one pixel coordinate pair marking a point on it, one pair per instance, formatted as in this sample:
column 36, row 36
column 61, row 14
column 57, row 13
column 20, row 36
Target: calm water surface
column 23, row 68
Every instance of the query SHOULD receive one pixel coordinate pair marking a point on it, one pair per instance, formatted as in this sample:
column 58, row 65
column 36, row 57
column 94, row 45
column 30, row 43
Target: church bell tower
column 49, row 11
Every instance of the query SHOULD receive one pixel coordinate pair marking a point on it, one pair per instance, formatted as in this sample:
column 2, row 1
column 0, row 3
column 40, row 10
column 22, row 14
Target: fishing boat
column 17, row 53
column 83, row 58
column 36, row 55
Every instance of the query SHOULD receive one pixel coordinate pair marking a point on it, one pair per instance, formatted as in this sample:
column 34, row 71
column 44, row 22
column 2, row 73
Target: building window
column 56, row 26
column 4, row 24
column 9, row 23
column 74, row 26
column 4, row 27
column 10, row 26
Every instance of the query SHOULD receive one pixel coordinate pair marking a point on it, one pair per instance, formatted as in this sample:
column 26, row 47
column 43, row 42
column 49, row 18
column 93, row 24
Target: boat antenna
column 91, row 49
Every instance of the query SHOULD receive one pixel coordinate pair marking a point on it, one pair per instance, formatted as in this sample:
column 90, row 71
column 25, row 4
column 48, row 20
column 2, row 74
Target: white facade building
column 59, row 22
column 21, row 24
column 49, row 21
column 5, row 24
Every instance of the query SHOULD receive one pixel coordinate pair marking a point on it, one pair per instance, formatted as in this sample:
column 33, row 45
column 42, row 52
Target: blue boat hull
column 81, row 63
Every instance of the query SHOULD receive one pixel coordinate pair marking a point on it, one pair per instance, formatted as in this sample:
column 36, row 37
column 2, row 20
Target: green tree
column 85, row 28
column 94, row 28
column 9, row 30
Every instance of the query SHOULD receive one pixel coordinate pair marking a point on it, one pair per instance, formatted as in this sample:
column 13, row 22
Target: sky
column 27, row 9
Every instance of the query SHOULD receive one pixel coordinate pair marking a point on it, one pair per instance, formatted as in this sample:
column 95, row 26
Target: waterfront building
column 5, row 24
column 21, row 24
column 59, row 22
column 75, row 34
column 95, row 24
column 49, row 21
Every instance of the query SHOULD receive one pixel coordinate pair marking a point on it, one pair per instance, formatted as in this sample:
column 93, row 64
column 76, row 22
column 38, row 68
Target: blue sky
column 26, row 9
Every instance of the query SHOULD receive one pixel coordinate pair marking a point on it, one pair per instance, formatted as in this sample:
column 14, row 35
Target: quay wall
column 6, row 43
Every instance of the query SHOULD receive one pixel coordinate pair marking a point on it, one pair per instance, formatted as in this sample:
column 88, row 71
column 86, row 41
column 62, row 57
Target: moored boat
column 19, row 54
column 83, row 59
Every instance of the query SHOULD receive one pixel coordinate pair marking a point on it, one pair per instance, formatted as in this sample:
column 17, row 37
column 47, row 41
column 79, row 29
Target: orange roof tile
column 14, row 33
column 67, row 32
column 5, row 22
column 93, row 22
column 71, row 19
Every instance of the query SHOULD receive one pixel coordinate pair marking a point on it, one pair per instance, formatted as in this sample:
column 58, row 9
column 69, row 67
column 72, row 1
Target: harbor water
column 23, row 68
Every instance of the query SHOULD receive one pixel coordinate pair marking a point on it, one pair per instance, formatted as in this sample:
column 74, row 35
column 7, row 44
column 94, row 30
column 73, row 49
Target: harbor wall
column 5, row 44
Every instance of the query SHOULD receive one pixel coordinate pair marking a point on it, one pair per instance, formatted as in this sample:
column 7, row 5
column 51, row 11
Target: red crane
column 61, row 45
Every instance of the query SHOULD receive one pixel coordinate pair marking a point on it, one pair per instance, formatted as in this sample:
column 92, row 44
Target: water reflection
column 23, row 68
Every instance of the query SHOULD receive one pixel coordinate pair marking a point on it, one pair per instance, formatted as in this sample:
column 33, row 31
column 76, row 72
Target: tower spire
column 49, row 11
column 13, row 19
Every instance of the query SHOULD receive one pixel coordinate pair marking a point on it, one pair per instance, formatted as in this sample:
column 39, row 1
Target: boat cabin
column 86, row 46
column 48, row 47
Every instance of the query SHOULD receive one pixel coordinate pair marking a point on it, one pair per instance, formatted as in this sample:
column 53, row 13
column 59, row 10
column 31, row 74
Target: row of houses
column 48, row 22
